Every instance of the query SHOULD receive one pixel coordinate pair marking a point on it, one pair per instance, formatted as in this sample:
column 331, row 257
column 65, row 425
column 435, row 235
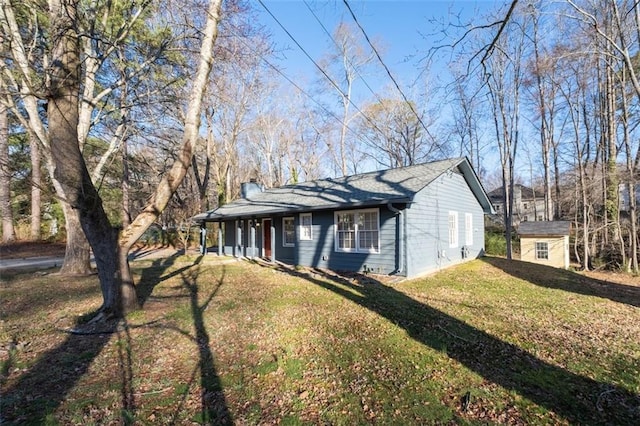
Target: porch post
column 203, row 238
column 252, row 238
column 273, row 241
column 220, row 238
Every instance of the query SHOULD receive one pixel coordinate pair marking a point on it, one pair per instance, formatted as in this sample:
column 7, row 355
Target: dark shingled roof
column 526, row 193
column 545, row 228
column 374, row 188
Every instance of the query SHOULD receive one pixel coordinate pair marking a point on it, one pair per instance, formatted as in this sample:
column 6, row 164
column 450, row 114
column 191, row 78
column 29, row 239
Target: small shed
column 545, row 242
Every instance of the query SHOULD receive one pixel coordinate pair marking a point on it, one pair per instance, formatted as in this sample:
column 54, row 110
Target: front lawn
column 240, row 343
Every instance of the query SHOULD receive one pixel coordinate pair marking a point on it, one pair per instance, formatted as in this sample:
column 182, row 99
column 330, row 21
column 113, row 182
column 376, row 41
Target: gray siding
column 283, row 253
column 428, row 225
column 240, row 237
column 426, row 232
column 229, row 237
column 320, row 251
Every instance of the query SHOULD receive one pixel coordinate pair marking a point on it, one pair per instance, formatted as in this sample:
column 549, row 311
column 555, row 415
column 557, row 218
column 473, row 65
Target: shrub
column 495, row 244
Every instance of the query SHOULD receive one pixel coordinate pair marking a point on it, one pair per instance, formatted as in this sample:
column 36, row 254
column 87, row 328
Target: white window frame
column 540, row 249
column 306, row 229
column 453, row 229
column 285, row 242
column 357, row 230
column 468, row 229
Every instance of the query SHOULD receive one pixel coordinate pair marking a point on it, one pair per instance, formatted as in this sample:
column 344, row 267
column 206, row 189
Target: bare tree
column 468, row 113
column 36, row 189
column 347, row 61
column 504, row 78
column 310, row 153
column 69, row 167
column 629, row 184
column 614, row 27
column 541, row 71
column 8, row 232
column 269, row 133
column 574, row 92
column 394, row 134
column 116, row 48
column 170, row 183
column 236, row 88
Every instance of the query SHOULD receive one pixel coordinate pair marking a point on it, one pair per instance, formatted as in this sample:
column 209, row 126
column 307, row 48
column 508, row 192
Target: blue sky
column 401, row 26
column 407, row 31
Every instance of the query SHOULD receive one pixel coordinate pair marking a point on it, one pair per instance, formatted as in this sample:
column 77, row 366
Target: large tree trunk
column 77, row 251
column 77, row 260
column 8, row 231
column 69, row 167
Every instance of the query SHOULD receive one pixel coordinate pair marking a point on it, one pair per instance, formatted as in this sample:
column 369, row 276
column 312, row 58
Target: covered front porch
column 249, row 238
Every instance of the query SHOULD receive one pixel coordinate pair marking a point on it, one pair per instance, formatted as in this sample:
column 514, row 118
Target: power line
column 294, row 84
column 366, row 36
column 333, row 83
column 338, row 46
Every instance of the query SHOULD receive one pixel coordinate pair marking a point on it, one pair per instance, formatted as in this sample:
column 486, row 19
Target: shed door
column 266, row 237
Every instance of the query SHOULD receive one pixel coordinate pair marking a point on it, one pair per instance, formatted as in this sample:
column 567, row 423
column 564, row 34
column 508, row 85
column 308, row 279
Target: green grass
column 486, row 342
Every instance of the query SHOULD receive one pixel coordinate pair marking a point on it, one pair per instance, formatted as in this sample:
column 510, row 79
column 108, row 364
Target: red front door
column 266, row 237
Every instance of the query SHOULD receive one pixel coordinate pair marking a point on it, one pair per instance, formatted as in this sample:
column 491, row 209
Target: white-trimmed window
column 357, row 231
column 468, row 229
column 306, row 232
column 542, row 250
column 453, row 229
column 288, row 232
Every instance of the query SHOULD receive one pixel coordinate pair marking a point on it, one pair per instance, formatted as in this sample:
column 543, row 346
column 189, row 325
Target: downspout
column 402, row 237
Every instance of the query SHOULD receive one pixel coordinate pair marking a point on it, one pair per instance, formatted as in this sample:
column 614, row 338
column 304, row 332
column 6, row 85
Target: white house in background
column 528, row 205
column 623, row 192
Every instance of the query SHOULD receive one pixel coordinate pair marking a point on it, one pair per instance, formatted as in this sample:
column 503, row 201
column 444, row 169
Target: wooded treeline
column 563, row 95
column 552, row 101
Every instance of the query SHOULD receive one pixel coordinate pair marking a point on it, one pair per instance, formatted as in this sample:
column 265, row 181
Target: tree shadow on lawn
column 44, row 386
column 577, row 398
column 561, row 279
column 213, row 406
column 154, row 275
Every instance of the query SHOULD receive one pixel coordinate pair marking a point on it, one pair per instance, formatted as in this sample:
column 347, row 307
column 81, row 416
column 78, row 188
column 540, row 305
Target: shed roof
column 374, row 188
column 545, row 228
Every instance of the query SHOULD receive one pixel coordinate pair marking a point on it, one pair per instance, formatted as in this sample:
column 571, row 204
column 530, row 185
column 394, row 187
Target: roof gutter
column 402, row 246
